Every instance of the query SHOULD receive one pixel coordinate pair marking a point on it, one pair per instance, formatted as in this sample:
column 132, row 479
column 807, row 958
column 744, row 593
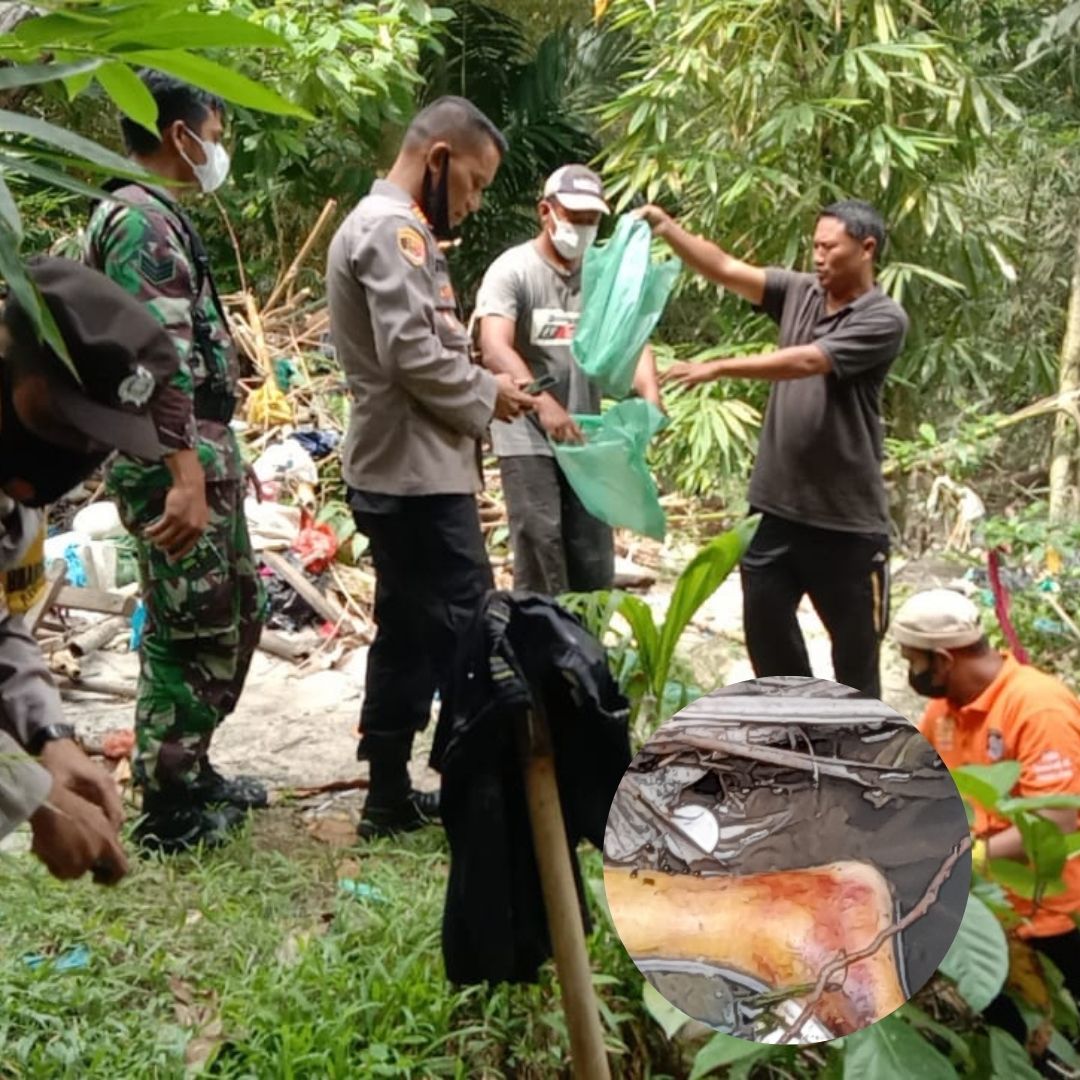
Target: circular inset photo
column 787, row 860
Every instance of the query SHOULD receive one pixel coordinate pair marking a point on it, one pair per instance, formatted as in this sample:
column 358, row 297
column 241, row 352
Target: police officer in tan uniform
column 420, row 407
column 54, row 432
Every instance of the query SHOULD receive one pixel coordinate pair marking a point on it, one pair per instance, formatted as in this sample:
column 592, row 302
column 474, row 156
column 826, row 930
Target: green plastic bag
column 609, row 472
column 623, row 293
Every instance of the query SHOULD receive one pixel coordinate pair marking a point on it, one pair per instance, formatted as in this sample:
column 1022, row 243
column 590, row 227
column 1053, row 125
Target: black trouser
column 1064, row 951
column 431, row 573
column 846, row 576
column 558, row 546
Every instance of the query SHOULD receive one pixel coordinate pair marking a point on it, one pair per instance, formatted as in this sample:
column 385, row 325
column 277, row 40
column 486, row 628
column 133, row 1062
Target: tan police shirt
column 419, row 403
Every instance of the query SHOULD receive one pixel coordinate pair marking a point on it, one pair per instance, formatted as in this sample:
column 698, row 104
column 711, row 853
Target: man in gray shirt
column 817, row 479
column 526, row 313
column 412, row 453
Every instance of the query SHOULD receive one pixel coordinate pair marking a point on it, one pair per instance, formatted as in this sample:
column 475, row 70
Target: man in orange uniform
column 986, row 707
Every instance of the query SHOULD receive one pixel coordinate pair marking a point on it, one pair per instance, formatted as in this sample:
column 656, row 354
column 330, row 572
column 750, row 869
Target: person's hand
column 556, row 421
column 511, row 401
column 72, row 770
column 657, row 218
column 683, row 373
column 254, row 481
column 182, row 522
column 72, row 836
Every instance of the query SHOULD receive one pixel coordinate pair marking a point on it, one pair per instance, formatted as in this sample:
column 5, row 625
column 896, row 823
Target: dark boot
column 243, row 792
column 392, row 806
column 174, row 824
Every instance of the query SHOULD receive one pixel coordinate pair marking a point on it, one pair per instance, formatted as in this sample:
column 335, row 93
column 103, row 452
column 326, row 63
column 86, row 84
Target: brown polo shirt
column 819, row 456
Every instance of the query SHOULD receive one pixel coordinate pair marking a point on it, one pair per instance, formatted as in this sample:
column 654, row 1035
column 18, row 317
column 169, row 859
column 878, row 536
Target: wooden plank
column 56, row 576
column 97, row 636
column 97, row 600
column 97, row 686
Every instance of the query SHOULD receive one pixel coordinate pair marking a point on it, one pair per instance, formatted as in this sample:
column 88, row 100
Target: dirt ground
column 299, row 730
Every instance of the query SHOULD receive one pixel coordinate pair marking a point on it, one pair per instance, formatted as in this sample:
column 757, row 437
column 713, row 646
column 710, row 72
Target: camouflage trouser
column 204, row 617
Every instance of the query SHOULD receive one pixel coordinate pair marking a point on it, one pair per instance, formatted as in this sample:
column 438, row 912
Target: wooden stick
column 57, row 575
column 97, row 686
column 97, row 636
column 328, row 608
column 294, row 267
column 98, row 600
column 587, row 1054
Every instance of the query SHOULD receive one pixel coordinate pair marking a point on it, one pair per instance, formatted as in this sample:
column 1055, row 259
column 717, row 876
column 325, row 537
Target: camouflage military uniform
column 205, row 611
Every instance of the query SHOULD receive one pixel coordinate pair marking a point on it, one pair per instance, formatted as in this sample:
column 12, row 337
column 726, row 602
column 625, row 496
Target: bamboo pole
column 587, row 1053
column 294, row 267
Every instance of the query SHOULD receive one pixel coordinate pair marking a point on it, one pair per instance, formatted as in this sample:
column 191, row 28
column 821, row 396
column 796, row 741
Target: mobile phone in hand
column 538, row 386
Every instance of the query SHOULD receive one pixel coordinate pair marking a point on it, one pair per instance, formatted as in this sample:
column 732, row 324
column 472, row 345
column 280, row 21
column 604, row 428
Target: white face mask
column 211, row 173
column 572, row 241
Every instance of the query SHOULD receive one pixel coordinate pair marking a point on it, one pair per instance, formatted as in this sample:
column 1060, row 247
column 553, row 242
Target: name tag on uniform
column 552, row 326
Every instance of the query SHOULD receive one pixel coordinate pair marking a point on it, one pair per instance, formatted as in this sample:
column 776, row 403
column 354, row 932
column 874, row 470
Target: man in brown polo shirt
column 817, row 479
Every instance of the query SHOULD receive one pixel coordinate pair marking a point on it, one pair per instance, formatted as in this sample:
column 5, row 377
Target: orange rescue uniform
column 1027, row 716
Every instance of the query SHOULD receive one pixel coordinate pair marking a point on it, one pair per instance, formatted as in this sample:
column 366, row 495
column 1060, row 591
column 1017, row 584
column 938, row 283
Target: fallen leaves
column 337, row 830
column 197, row 1010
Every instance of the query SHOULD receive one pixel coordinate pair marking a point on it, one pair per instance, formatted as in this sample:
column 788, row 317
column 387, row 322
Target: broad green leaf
column 723, row 1050
column 129, row 94
column 69, row 28
column 978, row 960
column 1039, row 802
column 26, row 292
column 42, row 131
column 1022, row 880
column 193, row 31
column 662, row 1011
column 893, row 1050
column 1044, row 844
column 217, row 79
column 1008, row 1058
column 9, row 211
column 986, row 784
column 32, row 74
column 639, row 615
column 922, row 1021
column 703, row 575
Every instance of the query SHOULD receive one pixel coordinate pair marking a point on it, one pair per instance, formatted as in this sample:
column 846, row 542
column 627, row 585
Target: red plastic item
column 316, row 545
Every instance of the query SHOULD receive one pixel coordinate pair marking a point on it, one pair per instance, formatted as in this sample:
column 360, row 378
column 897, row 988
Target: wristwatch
column 49, row 733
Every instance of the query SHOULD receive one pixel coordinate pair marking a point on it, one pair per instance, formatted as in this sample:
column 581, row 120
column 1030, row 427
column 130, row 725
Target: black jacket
column 520, row 649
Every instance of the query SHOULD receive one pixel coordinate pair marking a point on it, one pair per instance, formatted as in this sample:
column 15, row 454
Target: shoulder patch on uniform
column 157, row 269
column 411, row 245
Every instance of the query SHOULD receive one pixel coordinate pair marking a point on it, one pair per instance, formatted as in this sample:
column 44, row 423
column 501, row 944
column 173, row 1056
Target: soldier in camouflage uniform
column 205, row 607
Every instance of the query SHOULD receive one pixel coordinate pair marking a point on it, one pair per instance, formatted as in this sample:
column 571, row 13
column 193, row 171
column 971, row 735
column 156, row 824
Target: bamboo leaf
column 130, row 95
column 195, row 31
column 9, row 212
column 41, row 130
column 34, row 74
column 217, row 79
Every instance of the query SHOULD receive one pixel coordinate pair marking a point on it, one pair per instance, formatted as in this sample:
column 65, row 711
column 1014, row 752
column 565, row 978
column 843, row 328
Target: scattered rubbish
column 99, row 521
column 70, row 960
column 361, row 890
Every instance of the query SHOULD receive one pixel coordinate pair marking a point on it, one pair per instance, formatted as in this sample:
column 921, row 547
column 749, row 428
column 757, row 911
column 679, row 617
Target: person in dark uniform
column 54, row 431
column 411, row 456
column 817, row 479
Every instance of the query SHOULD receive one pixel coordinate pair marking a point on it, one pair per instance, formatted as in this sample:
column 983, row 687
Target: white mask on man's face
column 572, row 241
column 212, row 173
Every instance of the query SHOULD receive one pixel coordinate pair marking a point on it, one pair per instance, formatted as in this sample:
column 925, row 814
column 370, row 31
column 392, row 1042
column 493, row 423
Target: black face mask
column 435, row 200
column 923, row 683
column 51, row 470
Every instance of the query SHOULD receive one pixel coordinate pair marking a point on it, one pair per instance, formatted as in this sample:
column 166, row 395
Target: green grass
column 288, row 975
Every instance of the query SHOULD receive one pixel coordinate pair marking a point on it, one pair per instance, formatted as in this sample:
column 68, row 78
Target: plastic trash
column 99, row 521
column 317, row 443
column 609, row 472
column 316, row 545
column 272, row 526
column 286, row 462
column 78, row 957
column 361, row 890
column 138, row 626
column 623, row 293
column 76, row 567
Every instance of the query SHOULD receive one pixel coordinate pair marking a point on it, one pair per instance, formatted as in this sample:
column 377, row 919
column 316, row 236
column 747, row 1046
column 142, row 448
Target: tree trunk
column 1065, row 454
